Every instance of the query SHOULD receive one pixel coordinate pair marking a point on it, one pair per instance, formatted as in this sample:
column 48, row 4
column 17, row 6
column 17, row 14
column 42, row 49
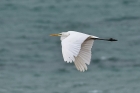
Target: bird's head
column 61, row 34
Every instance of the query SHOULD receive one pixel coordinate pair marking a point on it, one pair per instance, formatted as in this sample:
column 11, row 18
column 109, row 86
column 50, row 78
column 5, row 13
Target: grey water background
column 31, row 61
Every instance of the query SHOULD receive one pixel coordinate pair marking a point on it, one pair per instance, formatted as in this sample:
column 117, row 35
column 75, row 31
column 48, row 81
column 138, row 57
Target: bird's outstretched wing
column 84, row 55
column 71, row 45
column 77, row 48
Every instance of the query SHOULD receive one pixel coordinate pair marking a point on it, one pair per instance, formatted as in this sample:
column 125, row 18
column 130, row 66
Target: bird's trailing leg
column 110, row 39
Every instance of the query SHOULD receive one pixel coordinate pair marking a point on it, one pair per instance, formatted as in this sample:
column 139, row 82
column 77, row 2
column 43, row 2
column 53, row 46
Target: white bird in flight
column 76, row 47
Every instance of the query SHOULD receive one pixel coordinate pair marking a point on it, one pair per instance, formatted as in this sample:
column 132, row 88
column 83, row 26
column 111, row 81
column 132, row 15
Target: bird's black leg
column 110, row 39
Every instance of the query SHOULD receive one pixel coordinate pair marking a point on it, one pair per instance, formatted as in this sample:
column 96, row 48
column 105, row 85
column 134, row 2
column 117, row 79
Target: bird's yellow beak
column 54, row 34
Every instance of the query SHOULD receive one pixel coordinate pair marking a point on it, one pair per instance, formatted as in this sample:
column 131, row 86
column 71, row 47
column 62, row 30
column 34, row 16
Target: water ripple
column 124, row 18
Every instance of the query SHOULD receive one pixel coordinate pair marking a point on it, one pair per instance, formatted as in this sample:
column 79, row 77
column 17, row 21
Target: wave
column 123, row 18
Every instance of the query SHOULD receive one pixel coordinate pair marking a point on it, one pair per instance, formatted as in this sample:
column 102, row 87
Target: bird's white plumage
column 76, row 47
column 84, row 55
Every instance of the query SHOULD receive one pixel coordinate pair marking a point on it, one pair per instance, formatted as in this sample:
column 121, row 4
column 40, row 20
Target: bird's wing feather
column 84, row 55
column 72, row 44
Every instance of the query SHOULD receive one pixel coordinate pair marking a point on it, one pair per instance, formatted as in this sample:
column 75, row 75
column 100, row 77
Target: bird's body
column 76, row 47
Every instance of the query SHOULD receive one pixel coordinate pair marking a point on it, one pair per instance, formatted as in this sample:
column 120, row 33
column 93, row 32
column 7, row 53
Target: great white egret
column 76, row 47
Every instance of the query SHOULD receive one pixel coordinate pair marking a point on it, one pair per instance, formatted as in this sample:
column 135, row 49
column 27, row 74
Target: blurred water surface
column 31, row 60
